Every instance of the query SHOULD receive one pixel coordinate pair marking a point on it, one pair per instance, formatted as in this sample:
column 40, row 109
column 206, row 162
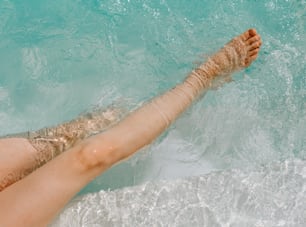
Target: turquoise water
column 61, row 58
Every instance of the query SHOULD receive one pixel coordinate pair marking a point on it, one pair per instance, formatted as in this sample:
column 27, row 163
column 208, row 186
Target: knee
column 100, row 154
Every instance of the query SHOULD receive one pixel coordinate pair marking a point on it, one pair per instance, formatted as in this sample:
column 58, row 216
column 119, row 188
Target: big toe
column 252, row 32
column 254, row 42
column 248, row 34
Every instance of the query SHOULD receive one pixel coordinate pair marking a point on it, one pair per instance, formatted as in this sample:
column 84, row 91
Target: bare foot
column 239, row 53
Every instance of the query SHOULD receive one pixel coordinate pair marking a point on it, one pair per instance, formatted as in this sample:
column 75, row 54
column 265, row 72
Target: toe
column 247, row 62
column 252, row 32
column 246, row 35
column 252, row 40
column 253, row 52
column 254, row 45
column 252, row 58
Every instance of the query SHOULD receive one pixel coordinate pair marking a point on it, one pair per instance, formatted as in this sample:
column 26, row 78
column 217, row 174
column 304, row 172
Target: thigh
column 17, row 159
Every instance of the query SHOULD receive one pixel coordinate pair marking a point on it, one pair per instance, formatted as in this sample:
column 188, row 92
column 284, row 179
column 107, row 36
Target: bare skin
column 38, row 198
column 21, row 156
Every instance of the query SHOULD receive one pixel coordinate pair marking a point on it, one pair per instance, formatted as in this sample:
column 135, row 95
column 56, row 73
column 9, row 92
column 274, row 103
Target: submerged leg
column 50, row 142
column 91, row 157
column 21, row 156
column 153, row 118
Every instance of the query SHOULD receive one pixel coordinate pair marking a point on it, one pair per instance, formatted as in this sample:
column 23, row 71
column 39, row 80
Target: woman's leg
column 36, row 199
column 21, row 156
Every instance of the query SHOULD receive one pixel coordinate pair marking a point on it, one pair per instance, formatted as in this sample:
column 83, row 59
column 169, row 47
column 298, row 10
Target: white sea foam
column 273, row 195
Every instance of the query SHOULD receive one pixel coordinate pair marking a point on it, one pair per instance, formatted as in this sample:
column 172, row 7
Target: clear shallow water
column 270, row 196
column 61, row 58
